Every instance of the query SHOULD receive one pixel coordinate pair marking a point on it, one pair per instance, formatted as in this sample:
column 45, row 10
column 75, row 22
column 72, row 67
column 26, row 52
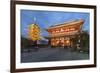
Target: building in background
column 33, row 32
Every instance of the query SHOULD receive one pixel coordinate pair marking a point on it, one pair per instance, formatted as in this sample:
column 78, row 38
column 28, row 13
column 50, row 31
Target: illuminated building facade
column 65, row 34
column 34, row 32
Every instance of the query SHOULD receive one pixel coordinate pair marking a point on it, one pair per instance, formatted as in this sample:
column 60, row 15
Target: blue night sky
column 45, row 19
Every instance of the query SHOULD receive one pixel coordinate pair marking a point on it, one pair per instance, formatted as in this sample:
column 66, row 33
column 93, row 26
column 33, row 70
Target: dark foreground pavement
column 52, row 54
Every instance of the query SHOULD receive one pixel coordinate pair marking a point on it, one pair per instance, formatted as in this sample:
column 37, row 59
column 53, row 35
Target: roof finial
column 34, row 20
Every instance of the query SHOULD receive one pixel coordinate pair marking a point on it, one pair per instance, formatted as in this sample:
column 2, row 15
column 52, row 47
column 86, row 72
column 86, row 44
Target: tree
column 85, row 40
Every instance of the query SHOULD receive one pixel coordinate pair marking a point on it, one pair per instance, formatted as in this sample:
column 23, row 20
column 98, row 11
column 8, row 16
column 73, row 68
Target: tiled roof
column 67, row 23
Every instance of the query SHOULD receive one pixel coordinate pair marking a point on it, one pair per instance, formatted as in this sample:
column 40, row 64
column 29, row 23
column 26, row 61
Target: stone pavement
column 52, row 54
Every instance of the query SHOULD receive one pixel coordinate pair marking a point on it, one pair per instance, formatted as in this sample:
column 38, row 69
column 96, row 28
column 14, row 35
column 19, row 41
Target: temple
column 65, row 34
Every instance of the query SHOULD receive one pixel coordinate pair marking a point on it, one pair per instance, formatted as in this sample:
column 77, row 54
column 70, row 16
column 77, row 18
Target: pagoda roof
column 73, row 22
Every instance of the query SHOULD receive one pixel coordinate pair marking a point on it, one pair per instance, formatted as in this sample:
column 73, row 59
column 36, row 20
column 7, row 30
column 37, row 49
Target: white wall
column 5, row 36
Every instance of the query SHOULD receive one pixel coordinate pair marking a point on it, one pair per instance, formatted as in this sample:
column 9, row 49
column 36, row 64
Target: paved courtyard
column 52, row 54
